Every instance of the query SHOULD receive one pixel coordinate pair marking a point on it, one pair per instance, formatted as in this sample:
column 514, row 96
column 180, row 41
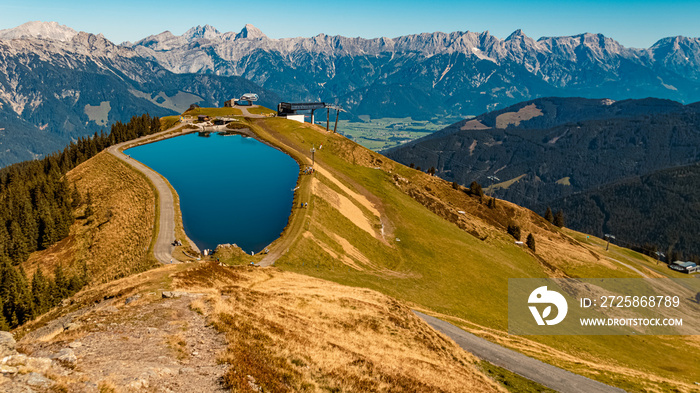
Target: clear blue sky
column 633, row 23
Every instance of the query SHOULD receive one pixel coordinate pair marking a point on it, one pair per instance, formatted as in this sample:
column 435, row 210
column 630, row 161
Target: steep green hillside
column 374, row 223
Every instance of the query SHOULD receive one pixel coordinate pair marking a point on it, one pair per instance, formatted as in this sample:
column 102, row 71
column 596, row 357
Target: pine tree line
column 22, row 301
column 37, row 211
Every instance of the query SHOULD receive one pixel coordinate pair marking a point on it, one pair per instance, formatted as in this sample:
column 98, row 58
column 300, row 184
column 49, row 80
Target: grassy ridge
column 116, row 242
column 261, row 110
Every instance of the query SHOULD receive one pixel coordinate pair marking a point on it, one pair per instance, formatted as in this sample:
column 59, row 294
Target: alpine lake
column 233, row 189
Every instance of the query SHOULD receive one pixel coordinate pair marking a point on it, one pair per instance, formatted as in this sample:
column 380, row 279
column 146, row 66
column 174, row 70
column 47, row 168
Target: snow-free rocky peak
column 250, row 31
column 43, row 30
column 207, row 32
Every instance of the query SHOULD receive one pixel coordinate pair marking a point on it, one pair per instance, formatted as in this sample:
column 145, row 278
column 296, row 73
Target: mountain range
column 57, row 84
column 434, row 74
column 585, row 156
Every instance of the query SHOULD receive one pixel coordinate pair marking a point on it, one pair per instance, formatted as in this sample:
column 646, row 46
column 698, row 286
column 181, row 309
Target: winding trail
column 525, row 366
column 163, row 248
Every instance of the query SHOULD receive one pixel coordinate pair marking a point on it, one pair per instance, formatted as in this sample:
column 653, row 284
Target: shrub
column 514, row 230
column 476, row 190
column 531, row 242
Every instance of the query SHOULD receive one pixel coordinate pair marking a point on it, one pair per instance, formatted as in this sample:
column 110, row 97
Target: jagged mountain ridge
column 441, row 75
column 37, row 29
column 55, row 89
column 435, row 74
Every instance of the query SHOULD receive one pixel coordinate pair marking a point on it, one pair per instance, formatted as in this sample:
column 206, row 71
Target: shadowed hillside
column 656, row 210
column 547, row 149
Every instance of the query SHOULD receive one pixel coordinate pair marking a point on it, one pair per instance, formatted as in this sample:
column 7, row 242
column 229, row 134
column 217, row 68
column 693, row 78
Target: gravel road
column 532, row 369
column 163, row 248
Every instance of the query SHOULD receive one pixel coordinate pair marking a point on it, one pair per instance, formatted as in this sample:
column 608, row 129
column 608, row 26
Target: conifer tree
column 4, row 326
column 491, row 203
column 548, row 215
column 9, row 294
column 76, row 199
column 559, row 219
column 19, row 247
column 40, row 295
column 60, row 287
column 4, row 240
column 475, row 189
column 46, row 230
column 514, row 230
column 155, row 125
column 25, row 307
column 88, row 209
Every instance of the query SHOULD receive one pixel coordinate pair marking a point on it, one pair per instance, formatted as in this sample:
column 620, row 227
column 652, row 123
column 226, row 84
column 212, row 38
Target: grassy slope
column 168, row 121
column 298, row 333
column 450, row 271
column 116, row 241
column 436, row 266
column 213, row 112
column 261, row 110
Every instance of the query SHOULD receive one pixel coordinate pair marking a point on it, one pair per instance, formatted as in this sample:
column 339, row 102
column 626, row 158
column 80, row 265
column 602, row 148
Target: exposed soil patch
column 151, row 346
column 344, row 206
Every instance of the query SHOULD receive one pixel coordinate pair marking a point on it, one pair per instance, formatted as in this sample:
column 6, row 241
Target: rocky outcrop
column 7, row 343
column 22, row 373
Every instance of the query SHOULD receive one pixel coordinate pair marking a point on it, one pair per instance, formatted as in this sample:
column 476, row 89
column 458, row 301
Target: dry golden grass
column 178, row 345
column 106, row 387
column 526, row 113
column 290, row 333
column 474, row 125
column 115, row 241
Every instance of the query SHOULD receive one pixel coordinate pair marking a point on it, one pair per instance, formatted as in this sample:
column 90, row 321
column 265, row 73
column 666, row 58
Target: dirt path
column 525, row 366
column 627, row 265
column 244, row 109
column 155, row 346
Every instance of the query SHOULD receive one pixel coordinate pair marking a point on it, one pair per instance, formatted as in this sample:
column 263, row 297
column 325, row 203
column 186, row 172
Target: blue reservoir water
column 232, row 189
